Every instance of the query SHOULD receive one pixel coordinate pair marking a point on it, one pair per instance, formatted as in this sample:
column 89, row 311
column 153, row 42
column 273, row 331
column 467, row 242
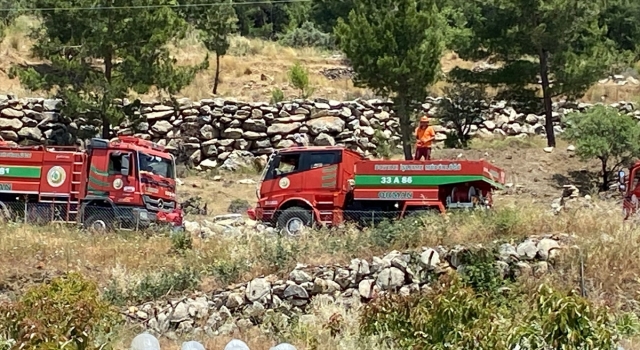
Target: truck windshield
column 157, row 165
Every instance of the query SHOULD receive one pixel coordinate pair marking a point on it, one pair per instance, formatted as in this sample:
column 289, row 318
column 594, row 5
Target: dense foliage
column 605, row 134
column 66, row 313
column 458, row 315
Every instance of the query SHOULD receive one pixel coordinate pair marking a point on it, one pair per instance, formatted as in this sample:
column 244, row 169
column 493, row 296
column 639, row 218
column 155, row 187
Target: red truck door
column 321, row 175
column 111, row 174
column 284, row 175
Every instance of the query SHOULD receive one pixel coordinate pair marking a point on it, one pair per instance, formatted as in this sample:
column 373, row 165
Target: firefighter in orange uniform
column 425, row 134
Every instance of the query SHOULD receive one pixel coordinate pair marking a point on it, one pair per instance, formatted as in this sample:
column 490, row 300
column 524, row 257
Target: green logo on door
column 56, row 176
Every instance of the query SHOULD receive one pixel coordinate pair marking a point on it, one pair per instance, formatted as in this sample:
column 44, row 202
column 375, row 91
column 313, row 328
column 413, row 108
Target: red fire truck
column 328, row 185
column 126, row 183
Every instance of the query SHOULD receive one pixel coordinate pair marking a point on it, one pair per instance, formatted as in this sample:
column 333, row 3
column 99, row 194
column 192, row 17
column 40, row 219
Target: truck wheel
column 294, row 219
column 99, row 224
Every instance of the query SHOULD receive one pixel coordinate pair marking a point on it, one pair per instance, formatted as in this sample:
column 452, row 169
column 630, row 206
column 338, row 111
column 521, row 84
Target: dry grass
column 610, row 249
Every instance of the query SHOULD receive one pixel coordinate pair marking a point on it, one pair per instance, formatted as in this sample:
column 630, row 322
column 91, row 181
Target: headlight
column 143, row 215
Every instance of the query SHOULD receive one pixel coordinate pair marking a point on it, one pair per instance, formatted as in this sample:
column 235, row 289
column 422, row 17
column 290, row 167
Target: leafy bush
column 384, row 147
column 605, row 134
column 181, row 241
column 153, row 286
column 404, row 233
column 506, row 222
column 281, row 254
column 228, row 271
column 307, row 35
column 67, row 313
column 453, row 316
column 479, row 270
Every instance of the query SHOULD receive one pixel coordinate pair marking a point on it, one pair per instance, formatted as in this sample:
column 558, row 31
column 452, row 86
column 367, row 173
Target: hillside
column 253, row 67
column 552, row 264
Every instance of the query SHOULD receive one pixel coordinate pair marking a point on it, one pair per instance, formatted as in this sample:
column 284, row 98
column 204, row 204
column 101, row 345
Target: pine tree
column 215, row 23
column 101, row 52
column 558, row 45
column 395, row 48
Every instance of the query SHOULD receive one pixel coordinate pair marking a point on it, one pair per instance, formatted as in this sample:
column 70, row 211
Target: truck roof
column 319, row 148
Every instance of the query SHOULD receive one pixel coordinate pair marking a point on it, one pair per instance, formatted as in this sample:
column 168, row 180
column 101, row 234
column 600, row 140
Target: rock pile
column 246, row 305
column 571, row 199
column 228, row 133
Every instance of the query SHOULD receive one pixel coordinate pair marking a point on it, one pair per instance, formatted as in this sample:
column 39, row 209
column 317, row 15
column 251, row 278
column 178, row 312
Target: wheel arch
column 296, row 202
column 99, row 202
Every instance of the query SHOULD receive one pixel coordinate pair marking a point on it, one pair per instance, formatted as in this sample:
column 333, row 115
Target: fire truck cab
column 125, row 183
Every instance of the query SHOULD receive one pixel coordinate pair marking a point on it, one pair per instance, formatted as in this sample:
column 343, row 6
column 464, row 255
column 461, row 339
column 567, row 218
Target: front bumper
column 145, row 218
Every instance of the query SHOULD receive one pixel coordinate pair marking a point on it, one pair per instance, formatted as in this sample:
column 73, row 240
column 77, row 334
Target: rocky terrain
column 205, row 133
column 240, row 307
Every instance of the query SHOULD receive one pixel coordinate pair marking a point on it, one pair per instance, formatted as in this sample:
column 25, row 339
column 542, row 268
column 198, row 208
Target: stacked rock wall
column 206, row 132
column 244, row 305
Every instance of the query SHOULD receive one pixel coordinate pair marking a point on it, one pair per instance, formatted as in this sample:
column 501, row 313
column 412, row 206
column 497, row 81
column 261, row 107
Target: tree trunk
column 405, row 125
column 605, row 176
column 546, row 97
column 217, row 76
column 106, row 100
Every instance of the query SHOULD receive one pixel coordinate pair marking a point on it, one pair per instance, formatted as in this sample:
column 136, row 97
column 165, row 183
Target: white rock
column 145, row 341
column 236, row 344
column 192, row 345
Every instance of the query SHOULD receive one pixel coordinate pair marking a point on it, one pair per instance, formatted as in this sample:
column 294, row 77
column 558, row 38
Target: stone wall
column 244, row 305
column 206, row 132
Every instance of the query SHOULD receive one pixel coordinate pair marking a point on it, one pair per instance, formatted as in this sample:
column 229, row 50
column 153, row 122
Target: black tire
column 292, row 217
column 101, row 223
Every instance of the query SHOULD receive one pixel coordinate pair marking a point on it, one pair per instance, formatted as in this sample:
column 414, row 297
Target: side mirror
column 621, row 177
column 124, row 170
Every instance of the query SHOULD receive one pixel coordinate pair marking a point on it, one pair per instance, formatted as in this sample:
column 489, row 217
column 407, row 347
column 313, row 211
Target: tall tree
column 557, row 45
column 215, row 23
column 622, row 19
column 325, row 13
column 395, row 48
column 99, row 52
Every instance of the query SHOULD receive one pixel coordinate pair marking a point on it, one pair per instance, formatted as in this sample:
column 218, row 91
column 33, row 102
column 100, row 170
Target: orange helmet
column 424, row 119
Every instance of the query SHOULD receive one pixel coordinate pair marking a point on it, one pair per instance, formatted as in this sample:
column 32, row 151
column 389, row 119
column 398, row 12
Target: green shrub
column 228, row 271
column 404, row 233
column 565, row 322
column 66, row 313
column 181, row 242
column 506, row 222
column 281, row 254
column 307, row 35
column 277, row 96
column 479, row 271
column 153, row 286
column 299, row 78
column 453, row 316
